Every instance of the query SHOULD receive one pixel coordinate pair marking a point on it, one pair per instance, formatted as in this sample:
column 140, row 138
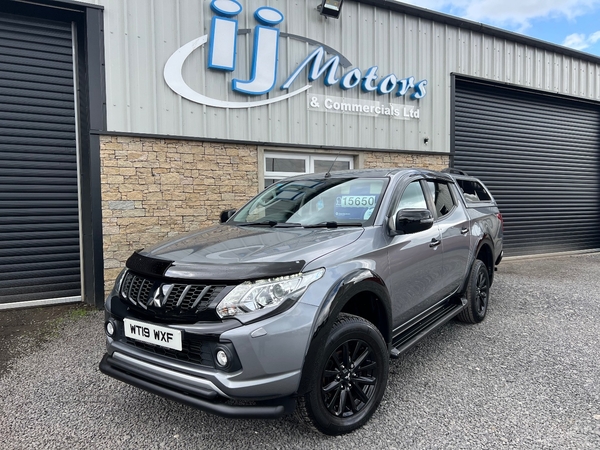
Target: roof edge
column 72, row 5
column 465, row 24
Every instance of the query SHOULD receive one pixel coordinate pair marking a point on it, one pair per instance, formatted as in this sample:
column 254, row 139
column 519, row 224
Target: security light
column 331, row 8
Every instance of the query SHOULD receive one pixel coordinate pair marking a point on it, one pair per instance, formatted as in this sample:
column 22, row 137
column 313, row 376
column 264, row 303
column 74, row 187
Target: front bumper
column 269, row 356
column 187, row 390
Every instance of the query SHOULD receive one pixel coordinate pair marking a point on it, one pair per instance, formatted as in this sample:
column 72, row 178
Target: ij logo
column 222, row 55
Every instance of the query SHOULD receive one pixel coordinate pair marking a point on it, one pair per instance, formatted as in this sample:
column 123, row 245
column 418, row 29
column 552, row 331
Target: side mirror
column 225, row 215
column 409, row 221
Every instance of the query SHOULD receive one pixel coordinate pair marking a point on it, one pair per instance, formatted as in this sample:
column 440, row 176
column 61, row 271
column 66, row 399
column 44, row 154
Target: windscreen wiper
column 333, row 225
column 270, row 223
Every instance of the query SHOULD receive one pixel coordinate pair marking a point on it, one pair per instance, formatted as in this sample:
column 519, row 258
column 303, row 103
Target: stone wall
column 156, row 188
column 384, row 159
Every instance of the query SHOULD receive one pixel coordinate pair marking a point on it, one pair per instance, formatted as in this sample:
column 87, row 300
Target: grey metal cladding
column 39, row 218
column 143, row 35
column 540, row 158
column 399, row 39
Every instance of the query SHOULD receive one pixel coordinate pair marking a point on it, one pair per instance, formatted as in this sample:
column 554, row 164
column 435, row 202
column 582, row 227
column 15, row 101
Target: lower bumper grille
column 193, row 350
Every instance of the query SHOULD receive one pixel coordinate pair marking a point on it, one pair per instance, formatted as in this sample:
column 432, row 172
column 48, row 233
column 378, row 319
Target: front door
column 415, row 275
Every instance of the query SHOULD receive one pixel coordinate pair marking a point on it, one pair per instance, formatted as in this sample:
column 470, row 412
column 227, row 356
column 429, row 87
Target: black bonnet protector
column 154, row 267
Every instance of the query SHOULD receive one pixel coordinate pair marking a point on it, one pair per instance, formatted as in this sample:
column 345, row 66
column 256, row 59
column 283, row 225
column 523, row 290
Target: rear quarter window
column 473, row 191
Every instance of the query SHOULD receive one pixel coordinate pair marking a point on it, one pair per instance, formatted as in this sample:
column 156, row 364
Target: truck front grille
column 167, row 299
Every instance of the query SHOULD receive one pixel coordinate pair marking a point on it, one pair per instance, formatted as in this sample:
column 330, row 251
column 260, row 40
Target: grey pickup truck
column 297, row 301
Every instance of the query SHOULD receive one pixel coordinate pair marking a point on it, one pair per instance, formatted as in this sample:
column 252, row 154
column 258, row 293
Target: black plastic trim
column 361, row 280
column 485, row 240
column 216, row 273
column 145, row 265
column 425, row 325
column 195, row 390
column 499, row 259
column 276, row 409
column 234, row 273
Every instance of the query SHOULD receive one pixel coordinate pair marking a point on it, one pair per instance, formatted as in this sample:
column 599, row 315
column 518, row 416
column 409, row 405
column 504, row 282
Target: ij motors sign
column 323, row 64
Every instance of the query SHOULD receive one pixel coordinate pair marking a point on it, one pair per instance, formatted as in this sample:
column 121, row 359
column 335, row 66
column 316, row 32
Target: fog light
column 222, row 358
column 110, row 328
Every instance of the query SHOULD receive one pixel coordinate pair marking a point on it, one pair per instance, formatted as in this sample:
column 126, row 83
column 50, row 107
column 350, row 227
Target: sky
column 572, row 23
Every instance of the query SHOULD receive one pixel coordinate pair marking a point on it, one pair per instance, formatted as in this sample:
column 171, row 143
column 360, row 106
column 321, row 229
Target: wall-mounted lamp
column 426, row 141
column 330, row 8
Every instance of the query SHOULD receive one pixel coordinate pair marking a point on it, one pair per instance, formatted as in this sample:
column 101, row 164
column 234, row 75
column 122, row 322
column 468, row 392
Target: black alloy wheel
column 348, row 379
column 477, row 294
column 482, row 290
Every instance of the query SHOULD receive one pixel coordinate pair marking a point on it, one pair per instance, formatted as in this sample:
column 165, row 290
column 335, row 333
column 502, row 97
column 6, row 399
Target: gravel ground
column 526, row 378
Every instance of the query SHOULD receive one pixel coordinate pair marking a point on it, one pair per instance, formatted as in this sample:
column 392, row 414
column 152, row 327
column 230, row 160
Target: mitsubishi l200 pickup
column 298, row 300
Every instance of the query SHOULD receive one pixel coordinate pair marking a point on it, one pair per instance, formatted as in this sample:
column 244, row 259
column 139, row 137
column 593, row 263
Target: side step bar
column 409, row 337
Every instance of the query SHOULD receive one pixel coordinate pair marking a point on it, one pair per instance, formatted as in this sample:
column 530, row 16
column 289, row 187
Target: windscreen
column 315, row 201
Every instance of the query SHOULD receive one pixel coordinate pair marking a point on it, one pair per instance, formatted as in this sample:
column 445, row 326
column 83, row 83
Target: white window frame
column 286, row 155
column 309, row 164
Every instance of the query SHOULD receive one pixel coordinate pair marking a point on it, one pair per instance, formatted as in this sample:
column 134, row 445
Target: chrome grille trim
column 184, row 298
column 183, row 294
column 144, row 293
column 200, row 296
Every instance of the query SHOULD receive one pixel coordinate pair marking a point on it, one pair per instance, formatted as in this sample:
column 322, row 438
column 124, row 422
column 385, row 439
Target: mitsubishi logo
column 161, row 295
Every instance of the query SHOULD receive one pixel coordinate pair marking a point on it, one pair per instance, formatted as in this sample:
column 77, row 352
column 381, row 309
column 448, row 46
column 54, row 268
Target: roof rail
column 455, row 171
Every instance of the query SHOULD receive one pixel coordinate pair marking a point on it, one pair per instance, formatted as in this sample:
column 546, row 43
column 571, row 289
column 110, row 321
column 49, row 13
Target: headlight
column 117, row 286
column 266, row 294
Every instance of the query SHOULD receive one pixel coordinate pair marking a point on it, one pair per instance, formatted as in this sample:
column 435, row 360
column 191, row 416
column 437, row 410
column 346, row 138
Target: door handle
column 465, row 230
column 434, row 242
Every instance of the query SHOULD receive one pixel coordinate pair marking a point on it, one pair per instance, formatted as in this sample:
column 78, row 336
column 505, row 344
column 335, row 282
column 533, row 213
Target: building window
column 279, row 165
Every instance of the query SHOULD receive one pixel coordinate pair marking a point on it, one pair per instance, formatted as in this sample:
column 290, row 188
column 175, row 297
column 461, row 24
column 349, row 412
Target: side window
column 473, row 191
column 412, row 197
column 442, row 198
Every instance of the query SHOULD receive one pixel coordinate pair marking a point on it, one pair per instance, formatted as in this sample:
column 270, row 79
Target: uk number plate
column 153, row 334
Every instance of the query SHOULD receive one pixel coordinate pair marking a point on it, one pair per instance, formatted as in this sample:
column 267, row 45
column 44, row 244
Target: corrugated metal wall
column 39, row 219
column 142, row 34
column 147, row 33
column 540, row 157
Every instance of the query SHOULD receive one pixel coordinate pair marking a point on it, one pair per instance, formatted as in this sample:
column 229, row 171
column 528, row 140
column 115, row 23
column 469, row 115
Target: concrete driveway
column 527, row 377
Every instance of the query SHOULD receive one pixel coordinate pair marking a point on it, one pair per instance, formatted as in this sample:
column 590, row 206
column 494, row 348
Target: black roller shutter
column 540, row 157
column 39, row 218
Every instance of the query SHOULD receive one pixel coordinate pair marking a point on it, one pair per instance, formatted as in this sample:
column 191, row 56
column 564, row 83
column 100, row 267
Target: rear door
column 454, row 227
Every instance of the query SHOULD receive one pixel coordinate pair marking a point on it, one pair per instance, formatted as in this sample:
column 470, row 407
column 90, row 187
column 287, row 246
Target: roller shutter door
column 39, row 218
column 540, row 157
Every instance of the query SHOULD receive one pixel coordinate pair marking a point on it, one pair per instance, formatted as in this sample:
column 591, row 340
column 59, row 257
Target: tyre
column 478, row 294
column 349, row 380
